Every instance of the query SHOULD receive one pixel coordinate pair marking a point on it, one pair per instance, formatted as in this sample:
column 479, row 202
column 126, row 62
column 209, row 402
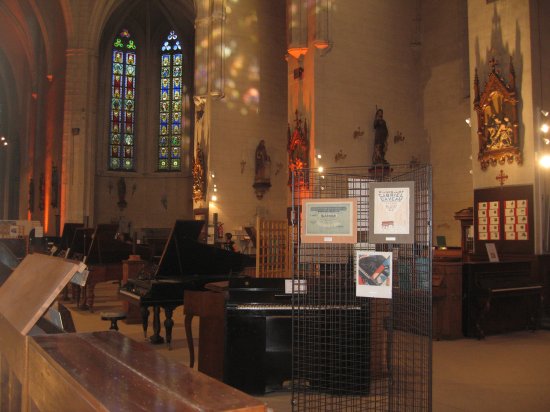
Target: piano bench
column 113, row 317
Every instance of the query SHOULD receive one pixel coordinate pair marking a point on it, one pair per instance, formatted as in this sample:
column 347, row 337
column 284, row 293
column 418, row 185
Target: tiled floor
column 501, row 373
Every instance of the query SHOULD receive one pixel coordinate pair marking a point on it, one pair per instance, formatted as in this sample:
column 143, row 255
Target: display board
column 504, row 216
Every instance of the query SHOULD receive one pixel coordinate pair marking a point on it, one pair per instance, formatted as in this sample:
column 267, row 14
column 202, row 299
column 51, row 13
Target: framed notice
column 391, row 213
column 329, row 220
column 373, row 276
column 504, row 216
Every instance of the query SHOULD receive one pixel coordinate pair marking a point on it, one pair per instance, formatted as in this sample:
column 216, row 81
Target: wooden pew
column 107, row 371
column 99, row 371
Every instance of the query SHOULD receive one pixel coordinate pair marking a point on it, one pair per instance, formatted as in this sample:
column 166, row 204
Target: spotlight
column 468, row 122
column 214, row 198
column 320, row 169
column 544, row 128
column 544, row 161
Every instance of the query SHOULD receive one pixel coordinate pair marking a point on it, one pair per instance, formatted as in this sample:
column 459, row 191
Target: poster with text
column 374, row 274
column 391, row 213
column 329, row 221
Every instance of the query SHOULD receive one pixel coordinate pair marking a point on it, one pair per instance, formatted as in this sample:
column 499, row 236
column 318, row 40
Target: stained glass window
column 123, row 93
column 171, row 112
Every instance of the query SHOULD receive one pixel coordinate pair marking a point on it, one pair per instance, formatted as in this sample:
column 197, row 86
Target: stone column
column 79, row 137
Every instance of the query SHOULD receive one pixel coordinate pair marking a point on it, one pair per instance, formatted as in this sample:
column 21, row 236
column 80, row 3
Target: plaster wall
column 254, row 108
column 370, row 64
column 445, row 90
column 502, row 30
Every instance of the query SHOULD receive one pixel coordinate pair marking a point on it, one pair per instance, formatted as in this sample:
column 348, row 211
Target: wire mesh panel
column 358, row 353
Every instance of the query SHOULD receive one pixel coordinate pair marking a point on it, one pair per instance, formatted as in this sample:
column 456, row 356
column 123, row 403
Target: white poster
column 374, row 274
column 391, row 213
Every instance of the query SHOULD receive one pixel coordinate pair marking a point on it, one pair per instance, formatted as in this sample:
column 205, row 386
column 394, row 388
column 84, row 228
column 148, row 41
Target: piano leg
column 155, row 337
column 76, row 294
column 89, row 296
column 189, row 336
column 144, row 319
column 168, row 325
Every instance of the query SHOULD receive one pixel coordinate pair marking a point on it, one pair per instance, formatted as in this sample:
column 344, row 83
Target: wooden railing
column 272, row 248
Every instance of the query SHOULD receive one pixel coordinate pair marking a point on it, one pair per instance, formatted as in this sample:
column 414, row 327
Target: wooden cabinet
column 447, row 299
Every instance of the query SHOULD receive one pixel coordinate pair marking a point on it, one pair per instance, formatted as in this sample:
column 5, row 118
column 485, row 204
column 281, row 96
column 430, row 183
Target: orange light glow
column 296, row 52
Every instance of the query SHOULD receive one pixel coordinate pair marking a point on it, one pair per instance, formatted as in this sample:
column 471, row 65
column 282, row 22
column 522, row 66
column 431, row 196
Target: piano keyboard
column 289, row 307
column 516, row 289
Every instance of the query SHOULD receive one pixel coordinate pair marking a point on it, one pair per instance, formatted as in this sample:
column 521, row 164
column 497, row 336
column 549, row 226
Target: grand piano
column 65, row 242
column 103, row 253
column 185, row 264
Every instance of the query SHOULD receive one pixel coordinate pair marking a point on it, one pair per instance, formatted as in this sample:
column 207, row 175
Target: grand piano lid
column 184, row 255
column 32, row 287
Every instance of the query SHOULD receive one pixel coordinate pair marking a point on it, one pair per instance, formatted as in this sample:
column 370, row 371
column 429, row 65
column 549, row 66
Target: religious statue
column 263, row 163
column 380, row 138
column 262, row 170
column 199, row 181
column 121, row 189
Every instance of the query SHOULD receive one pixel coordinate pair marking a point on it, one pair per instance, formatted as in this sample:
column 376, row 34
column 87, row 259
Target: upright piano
column 500, row 297
column 246, row 337
column 185, row 264
column 103, row 253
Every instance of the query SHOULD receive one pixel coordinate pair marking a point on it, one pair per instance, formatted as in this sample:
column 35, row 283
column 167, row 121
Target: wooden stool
column 113, row 317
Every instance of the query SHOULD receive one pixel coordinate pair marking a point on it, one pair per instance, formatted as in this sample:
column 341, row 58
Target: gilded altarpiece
column 496, row 108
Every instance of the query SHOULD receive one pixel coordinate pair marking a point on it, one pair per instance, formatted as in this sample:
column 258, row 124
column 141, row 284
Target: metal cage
column 353, row 353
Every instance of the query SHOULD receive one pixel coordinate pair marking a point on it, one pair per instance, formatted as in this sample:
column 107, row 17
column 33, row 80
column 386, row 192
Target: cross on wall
column 502, row 177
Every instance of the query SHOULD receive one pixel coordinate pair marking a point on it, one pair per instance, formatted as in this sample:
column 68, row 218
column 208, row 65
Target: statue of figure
column 263, row 163
column 380, row 138
column 121, row 188
column 262, row 176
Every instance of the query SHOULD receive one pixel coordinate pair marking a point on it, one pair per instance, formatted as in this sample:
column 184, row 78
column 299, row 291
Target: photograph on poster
column 391, row 212
column 373, row 274
column 329, row 221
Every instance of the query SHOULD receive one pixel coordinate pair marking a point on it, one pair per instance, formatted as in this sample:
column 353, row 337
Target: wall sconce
column 340, row 156
column 544, row 160
column 468, row 122
column 398, row 137
column 3, row 141
column 298, row 73
column 544, row 127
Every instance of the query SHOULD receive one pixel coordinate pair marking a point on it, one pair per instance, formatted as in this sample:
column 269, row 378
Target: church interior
column 167, row 145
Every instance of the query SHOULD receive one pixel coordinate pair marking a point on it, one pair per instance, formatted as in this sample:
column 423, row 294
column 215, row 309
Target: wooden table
column 210, row 307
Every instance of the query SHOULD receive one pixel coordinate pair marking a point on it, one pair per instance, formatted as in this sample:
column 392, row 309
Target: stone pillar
column 79, row 137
